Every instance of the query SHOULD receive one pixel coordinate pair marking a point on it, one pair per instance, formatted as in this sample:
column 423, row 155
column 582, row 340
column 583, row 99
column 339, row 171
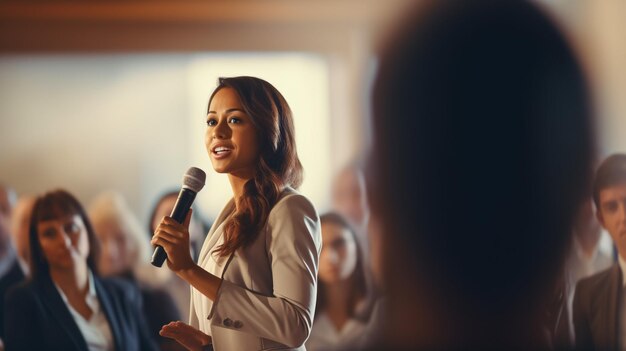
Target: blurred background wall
column 112, row 95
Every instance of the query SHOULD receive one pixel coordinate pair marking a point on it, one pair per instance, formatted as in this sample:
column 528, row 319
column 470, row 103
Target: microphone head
column 194, row 179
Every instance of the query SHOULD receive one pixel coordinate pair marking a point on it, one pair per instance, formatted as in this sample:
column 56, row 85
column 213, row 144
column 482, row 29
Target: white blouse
column 324, row 335
column 96, row 329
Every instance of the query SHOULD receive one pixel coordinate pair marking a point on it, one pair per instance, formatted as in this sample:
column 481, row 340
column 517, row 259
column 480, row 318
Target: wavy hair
column 278, row 165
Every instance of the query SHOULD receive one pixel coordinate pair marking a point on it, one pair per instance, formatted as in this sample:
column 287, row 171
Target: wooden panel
column 185, row 25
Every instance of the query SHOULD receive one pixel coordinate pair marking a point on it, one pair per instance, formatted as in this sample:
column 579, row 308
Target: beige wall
column 135, row 123
column 91, row 91
column 92, row 123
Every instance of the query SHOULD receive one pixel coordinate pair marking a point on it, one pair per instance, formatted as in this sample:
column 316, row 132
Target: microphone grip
column 179, row 212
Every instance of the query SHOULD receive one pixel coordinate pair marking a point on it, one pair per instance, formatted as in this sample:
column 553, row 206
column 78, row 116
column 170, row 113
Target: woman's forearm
column 203, row 281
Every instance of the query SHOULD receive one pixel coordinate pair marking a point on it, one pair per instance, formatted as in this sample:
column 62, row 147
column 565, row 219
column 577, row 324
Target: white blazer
column 268, row 293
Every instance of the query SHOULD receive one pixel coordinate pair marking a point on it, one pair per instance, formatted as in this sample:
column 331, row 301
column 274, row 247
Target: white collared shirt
column 96, row 330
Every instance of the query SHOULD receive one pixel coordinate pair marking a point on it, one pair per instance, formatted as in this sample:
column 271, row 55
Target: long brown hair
column 358, row 286
column 52, row 205
column 278, row 164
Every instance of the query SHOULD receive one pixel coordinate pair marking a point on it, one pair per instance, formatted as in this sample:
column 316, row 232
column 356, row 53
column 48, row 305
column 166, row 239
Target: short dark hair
column 52, row 205
column 612, row 171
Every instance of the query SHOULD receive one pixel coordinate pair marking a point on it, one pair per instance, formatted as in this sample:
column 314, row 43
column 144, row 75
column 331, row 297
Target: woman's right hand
column 174, row 238
column 186, row 335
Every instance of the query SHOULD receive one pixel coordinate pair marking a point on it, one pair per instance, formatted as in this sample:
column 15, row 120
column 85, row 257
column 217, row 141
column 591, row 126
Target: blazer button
column 238, row 324
column 228, row 322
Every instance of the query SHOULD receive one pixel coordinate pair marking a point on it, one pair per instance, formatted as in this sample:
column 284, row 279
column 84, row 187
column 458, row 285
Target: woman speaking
column 254, row 286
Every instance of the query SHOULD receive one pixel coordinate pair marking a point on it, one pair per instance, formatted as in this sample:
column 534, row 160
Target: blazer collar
column 212, row 238
column 59, row 310
column 107, row 307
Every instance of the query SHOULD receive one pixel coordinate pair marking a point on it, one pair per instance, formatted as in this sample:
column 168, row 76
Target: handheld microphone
column 193, row 182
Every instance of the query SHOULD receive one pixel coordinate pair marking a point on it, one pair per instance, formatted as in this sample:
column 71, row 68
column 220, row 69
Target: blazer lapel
column 613, row 308
column 212, row 237
column 60, row 311
column 107, row 307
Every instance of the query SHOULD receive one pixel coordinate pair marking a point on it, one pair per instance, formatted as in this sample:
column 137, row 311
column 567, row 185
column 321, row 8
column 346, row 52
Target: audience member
column 10, row 271
column 125, row 254
column 598, row 307
column 481, row 149
column 65, row 305
column 20, row 222
column 341, row 288
column 591, row 251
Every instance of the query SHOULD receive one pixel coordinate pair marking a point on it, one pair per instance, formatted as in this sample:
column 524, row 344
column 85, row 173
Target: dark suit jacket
column 13, row 276
column 37, row 318
column 596, row 310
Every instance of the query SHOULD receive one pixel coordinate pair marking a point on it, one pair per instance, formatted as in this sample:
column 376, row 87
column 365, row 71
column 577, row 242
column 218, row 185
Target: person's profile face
column 64, row 241
column 339, row 253
column 612, row 214
column 163, row 209
column 231, row 138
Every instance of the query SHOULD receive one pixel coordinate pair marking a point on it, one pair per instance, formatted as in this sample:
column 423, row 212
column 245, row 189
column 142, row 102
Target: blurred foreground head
column 480, row 156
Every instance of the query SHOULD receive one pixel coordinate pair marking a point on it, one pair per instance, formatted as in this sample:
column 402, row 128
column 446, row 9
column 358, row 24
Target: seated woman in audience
column 65, row 305
column 125, row 254
column 341, row 289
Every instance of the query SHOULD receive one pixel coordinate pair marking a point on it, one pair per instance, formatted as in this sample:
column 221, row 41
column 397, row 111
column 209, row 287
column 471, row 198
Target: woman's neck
column 73, row 282
column 338, row 304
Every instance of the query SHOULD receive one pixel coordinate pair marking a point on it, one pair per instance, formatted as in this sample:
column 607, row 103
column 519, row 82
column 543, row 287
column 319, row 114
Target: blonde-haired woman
column 125, row 253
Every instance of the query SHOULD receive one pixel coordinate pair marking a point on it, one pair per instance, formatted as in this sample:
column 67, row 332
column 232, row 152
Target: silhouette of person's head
column 480, row 157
